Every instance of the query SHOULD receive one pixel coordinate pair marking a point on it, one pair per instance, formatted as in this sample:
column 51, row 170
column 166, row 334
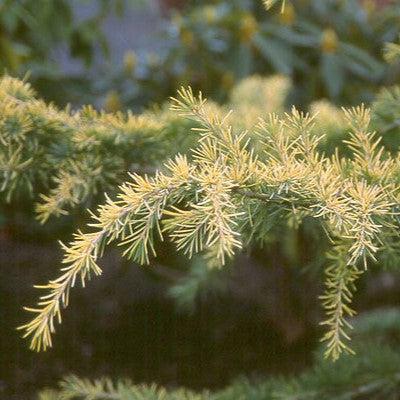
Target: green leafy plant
column 330, row 49
column 32, row 32
column 209, row 46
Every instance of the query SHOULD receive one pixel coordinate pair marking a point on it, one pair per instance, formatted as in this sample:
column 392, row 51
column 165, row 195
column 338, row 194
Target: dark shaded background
column 126, row 325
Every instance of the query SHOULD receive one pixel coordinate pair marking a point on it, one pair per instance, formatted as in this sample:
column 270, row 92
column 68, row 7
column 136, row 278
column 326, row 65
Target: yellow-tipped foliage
column 229, row 188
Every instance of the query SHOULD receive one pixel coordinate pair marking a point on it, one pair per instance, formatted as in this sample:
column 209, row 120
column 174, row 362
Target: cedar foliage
column 65, row 157
column 237, row 181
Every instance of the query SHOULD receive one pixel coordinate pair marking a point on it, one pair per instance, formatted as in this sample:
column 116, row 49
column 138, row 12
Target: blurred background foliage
column 256, row 317
column 30, row 30
column 330, row 49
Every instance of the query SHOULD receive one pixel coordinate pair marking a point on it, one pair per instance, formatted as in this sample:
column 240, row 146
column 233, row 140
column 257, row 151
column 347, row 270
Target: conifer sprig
column 340, row 286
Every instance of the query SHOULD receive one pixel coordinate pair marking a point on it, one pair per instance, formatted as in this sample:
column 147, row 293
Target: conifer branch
column 133, row 218
column 232, row 190
column 73, row 387
column 68, row 153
